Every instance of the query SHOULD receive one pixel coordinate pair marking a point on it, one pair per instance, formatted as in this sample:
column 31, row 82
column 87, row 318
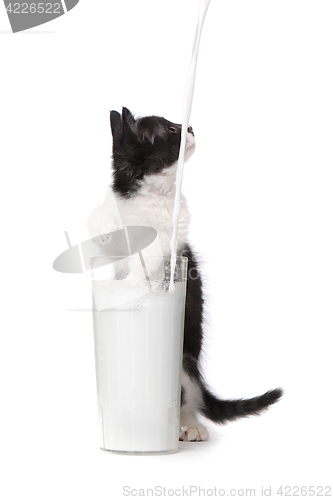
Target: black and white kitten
column 145, row 154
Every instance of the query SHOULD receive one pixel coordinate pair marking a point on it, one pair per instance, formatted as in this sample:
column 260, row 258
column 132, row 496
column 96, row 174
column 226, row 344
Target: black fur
column 221, row 411
column 146, row 146
column 141, row 147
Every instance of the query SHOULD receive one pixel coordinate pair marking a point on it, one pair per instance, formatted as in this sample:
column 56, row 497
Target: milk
column 138, row 333
column 187, row 106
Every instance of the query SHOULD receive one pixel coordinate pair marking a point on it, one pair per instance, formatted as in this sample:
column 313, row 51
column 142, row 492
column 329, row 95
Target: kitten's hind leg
column 190, row 427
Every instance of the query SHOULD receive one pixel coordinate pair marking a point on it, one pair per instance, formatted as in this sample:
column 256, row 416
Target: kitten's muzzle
column 190, row 130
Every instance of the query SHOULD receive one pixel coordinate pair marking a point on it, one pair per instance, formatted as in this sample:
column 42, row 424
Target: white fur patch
column 190, row 427
column 152, row 206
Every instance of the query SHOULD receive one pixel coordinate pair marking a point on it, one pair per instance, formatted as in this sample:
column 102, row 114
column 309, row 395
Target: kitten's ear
column 127, row 116
column 150, row 135
column 116, row 124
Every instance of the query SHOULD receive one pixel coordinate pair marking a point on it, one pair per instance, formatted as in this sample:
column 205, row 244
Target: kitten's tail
column 221, row 411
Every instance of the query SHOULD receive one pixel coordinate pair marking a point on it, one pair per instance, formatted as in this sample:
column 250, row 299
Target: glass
column 138, row 334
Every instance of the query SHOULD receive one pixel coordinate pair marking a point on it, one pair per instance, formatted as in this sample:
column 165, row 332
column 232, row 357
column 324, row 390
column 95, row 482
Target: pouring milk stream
column 138, row 332
column 187, row 106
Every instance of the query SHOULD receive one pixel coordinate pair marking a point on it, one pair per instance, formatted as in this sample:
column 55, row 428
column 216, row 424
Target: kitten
column 145, row 154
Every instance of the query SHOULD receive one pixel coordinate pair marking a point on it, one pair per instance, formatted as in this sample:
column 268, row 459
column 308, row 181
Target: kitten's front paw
column 101, row 225
column 102, row 233
column 103, row 239
column 197, row 433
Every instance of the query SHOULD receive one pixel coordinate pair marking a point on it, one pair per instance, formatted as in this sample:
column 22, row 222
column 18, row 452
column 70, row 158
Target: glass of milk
column 138, row 333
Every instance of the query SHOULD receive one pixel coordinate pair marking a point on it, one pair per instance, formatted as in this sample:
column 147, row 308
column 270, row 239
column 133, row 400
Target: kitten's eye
column 173, row 130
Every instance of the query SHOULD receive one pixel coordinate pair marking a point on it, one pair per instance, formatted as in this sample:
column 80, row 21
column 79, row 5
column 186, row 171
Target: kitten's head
column 144, row 147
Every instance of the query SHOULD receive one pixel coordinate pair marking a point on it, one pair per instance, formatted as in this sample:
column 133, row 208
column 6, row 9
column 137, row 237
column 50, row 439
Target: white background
column 259, row 189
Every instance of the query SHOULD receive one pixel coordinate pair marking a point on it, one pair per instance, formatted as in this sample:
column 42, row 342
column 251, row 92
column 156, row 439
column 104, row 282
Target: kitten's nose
column 190, row 130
